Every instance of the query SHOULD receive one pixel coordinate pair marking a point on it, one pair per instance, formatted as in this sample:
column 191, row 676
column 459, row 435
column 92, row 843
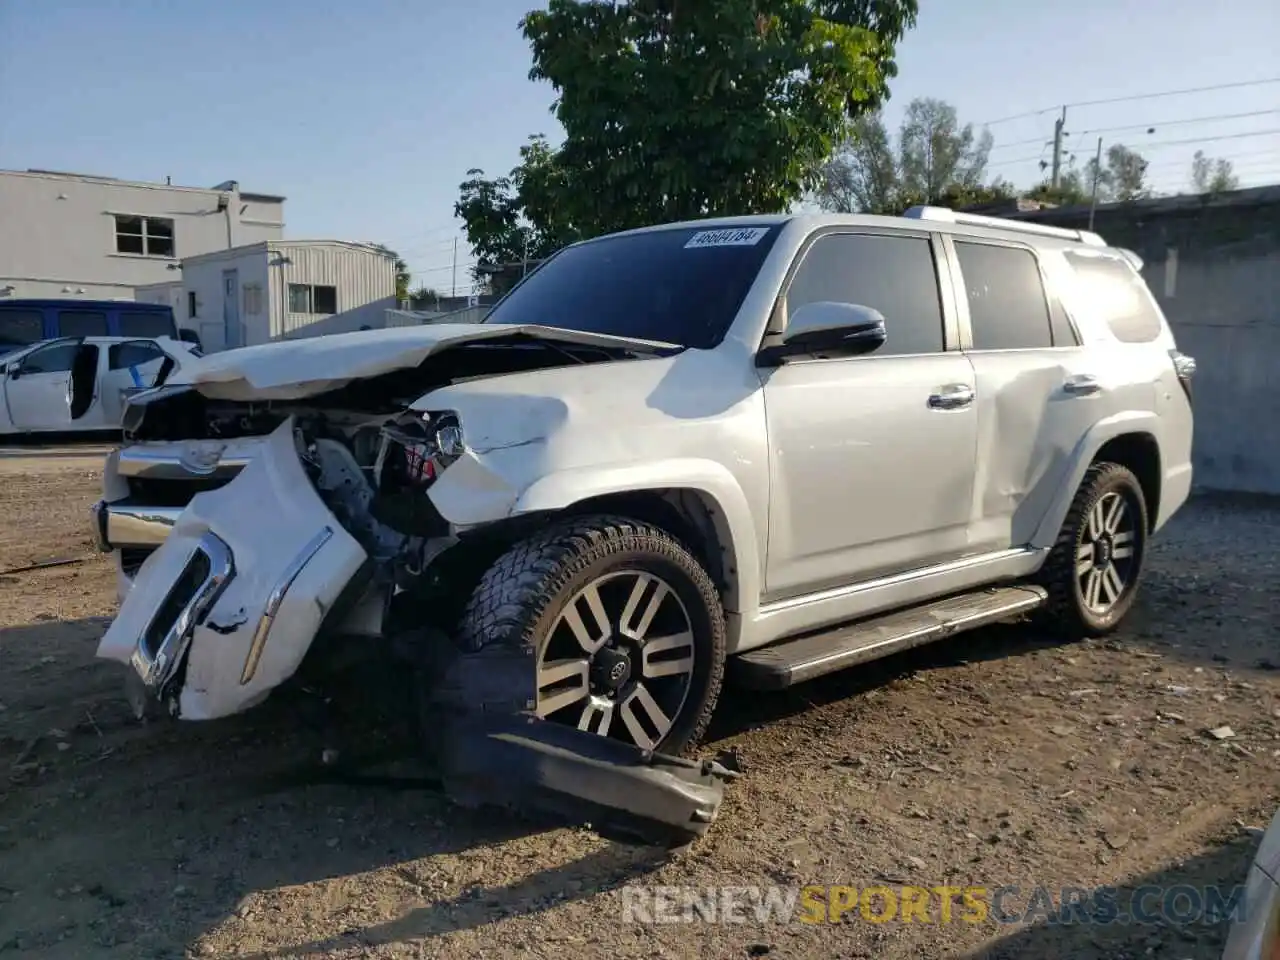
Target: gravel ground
column 997, row 758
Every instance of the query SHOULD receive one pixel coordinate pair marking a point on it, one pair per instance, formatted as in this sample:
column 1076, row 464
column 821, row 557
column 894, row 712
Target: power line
column 1141, row 146
column 1137, row 96
column 1146, row 126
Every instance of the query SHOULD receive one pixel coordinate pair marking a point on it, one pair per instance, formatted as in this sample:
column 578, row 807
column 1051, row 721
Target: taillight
column 1185, row 367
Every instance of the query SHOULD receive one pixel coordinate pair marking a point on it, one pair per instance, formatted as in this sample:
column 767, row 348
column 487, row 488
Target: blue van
column 29, row 321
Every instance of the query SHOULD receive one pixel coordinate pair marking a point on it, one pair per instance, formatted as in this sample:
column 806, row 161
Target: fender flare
column 1105, row 430
column 735, row 527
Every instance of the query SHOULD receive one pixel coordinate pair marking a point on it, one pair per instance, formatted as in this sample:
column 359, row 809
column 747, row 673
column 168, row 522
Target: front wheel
column 602, row 623
column 1093, row 570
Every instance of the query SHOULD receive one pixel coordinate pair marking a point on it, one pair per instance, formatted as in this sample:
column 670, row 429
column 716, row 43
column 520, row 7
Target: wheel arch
column 1131, row 440
column 699, row 502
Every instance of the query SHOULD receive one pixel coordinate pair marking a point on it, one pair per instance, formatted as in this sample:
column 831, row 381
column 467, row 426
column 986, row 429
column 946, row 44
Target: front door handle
column 1082, row 385
column 951, row 397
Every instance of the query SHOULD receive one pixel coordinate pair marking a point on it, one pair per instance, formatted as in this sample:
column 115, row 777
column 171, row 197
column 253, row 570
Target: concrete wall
column 58, row 231
column 1214, row 265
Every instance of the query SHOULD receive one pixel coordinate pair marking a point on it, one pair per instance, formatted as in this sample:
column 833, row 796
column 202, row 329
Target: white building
column 73, row 235
column 268, row 291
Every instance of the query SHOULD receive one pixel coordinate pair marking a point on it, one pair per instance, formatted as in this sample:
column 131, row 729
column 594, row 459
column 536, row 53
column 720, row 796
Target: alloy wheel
column 1107, row 552
column 619, row 659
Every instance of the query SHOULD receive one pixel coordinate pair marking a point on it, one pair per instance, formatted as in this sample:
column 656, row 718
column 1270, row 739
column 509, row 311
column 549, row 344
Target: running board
column 794, row 661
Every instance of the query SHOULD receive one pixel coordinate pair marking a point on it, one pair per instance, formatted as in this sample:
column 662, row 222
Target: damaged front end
column 324, row 546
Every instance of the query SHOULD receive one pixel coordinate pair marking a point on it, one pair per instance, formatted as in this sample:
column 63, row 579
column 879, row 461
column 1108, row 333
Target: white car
column 80, row 384
column 780, row 445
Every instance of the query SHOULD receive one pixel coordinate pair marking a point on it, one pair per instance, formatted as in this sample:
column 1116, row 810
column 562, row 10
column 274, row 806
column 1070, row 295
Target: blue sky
column 368, row 115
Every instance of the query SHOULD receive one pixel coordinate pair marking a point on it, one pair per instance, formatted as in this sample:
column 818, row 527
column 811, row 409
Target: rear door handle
column 1082, row 385
column 951, row 397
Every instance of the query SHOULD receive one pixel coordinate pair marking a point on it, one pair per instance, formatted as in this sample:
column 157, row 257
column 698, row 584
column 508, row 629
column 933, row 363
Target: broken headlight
column 415, row 449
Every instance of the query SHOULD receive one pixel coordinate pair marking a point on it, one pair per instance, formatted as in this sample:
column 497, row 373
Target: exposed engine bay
column 256, row 586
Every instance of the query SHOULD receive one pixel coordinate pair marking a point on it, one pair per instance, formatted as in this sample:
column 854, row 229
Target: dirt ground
column 995, row 759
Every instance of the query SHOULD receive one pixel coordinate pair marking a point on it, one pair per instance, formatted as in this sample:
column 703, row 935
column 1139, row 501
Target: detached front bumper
column 225, row 609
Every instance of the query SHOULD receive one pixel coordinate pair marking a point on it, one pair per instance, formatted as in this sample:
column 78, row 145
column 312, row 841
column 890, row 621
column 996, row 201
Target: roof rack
column 943, row 215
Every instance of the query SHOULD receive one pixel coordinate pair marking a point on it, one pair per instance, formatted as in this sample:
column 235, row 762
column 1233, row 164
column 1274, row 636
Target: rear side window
column 894, row 275
column 82, row 323
column 1109, row 288
column 1008, row 309
column 123, row 355
column 20, row 327
column 140, row 323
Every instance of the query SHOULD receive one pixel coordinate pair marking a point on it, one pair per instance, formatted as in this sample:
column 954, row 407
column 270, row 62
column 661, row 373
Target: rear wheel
column 1094, row 568
column 602, row 623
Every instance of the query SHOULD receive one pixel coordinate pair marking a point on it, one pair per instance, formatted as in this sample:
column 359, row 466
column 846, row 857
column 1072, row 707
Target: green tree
column 515, row 218
column 1071, row 190
column 1212, row 175
column 936, row 160
column 674, row 109
column 401, row 268
column 1122, row 176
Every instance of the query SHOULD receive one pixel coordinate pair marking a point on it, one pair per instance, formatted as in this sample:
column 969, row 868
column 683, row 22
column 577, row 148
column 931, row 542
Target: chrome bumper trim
column 276, row 598
column 185, row 460
column 122, row 523
column 157, row 667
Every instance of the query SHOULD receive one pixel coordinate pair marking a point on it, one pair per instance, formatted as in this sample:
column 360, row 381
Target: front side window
column 82, row 323
column 1109, row 288
column 1008, row 309
column 892, row 274
column 144, row 236
column 55, row 358
column 672, row 285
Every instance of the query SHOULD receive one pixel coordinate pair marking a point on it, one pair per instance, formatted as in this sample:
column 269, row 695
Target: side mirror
column 14, row 371
column 827, row 327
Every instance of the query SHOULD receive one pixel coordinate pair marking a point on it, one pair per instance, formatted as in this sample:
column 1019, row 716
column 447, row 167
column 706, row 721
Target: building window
column 191, row 304
column 307, row 298
column 145, row 236
column 253, row 299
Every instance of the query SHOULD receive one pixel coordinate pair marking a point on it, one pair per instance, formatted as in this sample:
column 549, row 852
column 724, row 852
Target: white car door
column 131, row 365
column 871, row 457
column 36, row 386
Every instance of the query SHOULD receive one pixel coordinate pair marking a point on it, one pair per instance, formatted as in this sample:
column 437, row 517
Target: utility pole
column 524, row 264
column 1058, row 126
column 1097, row 172
column 453, row 289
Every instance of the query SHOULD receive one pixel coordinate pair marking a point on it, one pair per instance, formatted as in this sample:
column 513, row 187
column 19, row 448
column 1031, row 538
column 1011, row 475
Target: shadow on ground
column 1182, row 912
column 125, row 840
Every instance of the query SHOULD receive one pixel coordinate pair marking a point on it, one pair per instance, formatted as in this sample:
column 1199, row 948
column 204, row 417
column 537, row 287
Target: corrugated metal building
column 269, row 291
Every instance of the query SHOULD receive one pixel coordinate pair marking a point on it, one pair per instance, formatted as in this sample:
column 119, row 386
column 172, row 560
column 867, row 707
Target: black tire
column 1068, row 611
column 518, row 600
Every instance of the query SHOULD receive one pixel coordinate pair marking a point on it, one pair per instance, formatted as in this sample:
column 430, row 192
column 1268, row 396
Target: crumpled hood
column 291, row 369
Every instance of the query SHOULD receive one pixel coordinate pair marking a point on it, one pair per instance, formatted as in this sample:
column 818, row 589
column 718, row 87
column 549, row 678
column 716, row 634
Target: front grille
column 193, row 577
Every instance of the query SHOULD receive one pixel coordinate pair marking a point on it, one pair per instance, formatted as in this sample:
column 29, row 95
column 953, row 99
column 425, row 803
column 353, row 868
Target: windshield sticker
column 738, row 237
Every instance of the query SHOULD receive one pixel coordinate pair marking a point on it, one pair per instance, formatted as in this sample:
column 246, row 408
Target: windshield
column 680, row 286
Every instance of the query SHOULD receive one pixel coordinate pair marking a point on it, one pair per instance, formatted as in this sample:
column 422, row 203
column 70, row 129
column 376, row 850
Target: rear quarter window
column 1108, row 288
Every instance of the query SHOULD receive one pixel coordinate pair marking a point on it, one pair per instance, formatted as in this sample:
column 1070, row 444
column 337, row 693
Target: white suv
column 781, row 444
